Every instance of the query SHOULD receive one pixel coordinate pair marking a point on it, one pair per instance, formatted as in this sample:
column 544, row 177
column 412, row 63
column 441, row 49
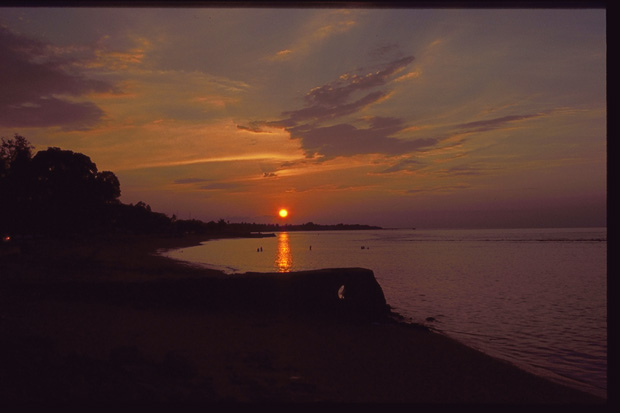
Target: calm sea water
column 534, row 297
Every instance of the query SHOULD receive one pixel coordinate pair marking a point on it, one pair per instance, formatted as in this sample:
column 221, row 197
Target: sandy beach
column 66, row 346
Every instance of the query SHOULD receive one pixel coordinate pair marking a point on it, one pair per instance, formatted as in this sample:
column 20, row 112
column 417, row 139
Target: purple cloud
column 337, row 99
column 325, row 112
column 256, row 127
column 345, row 139
column 34, row 78
column 321, row 139
column 333, row 99
column 466, row 170
column 404, row 165
column 44, row 112
column 490, row 124
column 336, row 93
column 220, row 186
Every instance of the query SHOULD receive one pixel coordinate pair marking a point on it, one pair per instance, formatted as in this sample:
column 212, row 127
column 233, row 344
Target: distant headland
column 308, row 226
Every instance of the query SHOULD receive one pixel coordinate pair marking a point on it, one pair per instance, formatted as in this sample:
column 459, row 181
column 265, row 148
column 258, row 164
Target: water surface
column 534, row 297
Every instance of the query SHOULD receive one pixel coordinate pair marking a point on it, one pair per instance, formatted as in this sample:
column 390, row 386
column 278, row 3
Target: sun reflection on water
column 284, row 258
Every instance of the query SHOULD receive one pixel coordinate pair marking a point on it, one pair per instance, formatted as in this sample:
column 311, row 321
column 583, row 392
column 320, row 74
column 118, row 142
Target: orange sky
column 398, row 118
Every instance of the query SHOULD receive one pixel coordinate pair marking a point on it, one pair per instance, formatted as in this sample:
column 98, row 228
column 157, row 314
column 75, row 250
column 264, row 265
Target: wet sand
column 66, row 350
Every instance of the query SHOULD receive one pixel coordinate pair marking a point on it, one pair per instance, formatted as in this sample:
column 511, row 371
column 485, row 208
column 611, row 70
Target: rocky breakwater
column 351, row 293
column 347, row 293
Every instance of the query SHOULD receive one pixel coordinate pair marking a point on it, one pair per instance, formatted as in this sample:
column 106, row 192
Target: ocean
column 534, row 297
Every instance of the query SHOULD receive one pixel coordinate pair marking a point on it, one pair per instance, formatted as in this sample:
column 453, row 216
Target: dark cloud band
column 34, row 83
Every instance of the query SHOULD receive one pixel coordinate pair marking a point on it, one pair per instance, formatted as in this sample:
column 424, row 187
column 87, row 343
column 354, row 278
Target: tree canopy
column 54, row 190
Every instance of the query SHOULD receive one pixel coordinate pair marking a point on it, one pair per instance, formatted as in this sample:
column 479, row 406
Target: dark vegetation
column 61, row 193
column 309, row 226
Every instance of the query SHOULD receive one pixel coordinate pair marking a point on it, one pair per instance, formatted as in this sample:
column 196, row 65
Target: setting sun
column 283, row 213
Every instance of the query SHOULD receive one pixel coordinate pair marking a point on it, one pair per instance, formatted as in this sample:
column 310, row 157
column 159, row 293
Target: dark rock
column 177, row 366
column 351, row 293
column 125, row 355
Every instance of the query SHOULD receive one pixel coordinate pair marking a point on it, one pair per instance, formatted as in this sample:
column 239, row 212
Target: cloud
column 325, row 112
column 404, row 165
column 337, row 99
column 109, row 58
column 465, row 170
column 303, row 163
column 40, row 85
column 410, row 75
column 490, row 124
column 347, row 140
column 337, row 92
column 220, row 186
column 359, row 90
column 333, row 100
column 382, row 52
column 450, row 188
column 356, row 91
column 49, row 111
column 281, row 55
column 210, row 184
column 189, row 180
column 317, row 31
column 255, row 127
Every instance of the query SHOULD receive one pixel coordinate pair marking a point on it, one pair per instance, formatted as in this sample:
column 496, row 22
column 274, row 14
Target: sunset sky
column 405, row 117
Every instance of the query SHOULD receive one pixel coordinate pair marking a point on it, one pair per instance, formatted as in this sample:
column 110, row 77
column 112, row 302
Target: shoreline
column 539, row 372
column 226, row 354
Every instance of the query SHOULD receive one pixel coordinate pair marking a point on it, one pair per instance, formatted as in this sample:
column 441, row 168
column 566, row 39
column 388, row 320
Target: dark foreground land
column 105, row 320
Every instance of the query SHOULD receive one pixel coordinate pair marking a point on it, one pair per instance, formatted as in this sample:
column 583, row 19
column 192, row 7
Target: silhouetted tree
column 68, row 190
column 108, row 187
column 54, row 191
column 139, row 218
column 15, row 157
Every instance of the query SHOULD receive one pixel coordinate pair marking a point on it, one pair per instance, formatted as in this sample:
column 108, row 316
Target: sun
column 283, row 213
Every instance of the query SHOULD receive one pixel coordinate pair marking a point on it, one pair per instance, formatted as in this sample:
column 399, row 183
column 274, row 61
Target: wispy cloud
column 406, row 165
column 467, row 170
column 438, row 189
column 495, row 123
column 316, row 31
column 221, row 186
column 337, row 92
column 255, row 127
column 322, row 112
column 189, row 181
column 112, row 58
column 232, row 158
